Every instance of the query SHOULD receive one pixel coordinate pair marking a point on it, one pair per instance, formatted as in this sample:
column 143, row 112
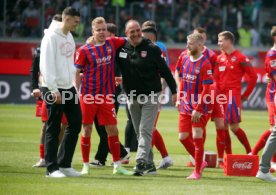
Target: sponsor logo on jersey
column 234, row 58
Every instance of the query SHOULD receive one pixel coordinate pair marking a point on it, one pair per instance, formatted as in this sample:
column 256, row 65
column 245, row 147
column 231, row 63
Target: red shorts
column 232, row 109
column 185, row 123
column 269, row 98
column 218, row 111
column 44, row 115
column 104, row 111
column 38, row 108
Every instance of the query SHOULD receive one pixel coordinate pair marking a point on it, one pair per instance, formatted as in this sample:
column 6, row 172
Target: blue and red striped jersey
column 193, row 75
column 270, row 67
column 98, row 65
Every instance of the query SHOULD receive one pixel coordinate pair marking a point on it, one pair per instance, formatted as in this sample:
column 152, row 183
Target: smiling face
column 99, row 32
column 133, row 32
column 223, row 43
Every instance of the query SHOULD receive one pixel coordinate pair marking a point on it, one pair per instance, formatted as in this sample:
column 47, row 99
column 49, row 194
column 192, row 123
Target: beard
column 194, row 52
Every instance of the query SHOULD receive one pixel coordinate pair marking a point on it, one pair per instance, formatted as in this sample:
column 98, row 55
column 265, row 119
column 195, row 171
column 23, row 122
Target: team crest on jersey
column 143, row 54
column 108, row 49
column 222, row 59
column 209, row 72
column 234, row 58
column 273, row 63
column 197, row 70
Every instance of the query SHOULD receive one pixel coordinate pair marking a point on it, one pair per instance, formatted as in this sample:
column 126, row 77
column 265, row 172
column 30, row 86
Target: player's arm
column 207, row 76
column 252, row 78
column 35, row 76
column 80, row 62
column 48, row 64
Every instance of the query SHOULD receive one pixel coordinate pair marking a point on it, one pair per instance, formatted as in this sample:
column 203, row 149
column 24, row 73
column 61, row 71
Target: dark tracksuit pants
column 63, row 157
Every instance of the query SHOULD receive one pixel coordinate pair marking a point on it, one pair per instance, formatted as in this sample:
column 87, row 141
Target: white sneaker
column 40, row 163
column 273, row 165
column 56, row 174
column 70, row 172
column 85, row 169
column 165, row 163
column 265, row 176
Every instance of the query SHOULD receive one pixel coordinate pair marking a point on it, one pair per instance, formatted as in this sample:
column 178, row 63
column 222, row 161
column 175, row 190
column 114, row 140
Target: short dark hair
column 70, row 11
column 112, row 28
column 227, row 35
column 149, row 26
column 57, row 17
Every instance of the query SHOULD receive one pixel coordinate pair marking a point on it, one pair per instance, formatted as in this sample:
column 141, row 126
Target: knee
column 87, row 130
column 183, row 136
column 112, row 130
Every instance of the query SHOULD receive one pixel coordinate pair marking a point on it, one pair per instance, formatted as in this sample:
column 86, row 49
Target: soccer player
column 102, row 152
column 217, row 114
column 270, row 146
column 142, row 67
column 231, row 66
column 149, row 31
column 195, row 73
column 97, row 91
column 57, row 70
column 270, row 66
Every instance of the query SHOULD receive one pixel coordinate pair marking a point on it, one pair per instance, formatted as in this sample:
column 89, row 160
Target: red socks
column 189, row 145
column 228, row 147
column 274, row 158
column 199, row 150
column 158, row 142
column 114, row 147
column 261, row 142
column 220, row 141
column 85, row 148
column 41, row 151
column 243, row 139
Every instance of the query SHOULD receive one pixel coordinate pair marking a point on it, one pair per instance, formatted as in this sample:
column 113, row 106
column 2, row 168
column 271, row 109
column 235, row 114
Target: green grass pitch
column 19, row 140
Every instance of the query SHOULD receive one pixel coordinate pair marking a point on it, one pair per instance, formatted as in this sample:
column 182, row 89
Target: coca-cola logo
column 242, row 165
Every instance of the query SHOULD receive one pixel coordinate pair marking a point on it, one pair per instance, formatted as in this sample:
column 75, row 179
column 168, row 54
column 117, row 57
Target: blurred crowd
column 175, row 18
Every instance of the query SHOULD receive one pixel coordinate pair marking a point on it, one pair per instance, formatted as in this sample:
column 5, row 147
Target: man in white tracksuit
column 57, row 70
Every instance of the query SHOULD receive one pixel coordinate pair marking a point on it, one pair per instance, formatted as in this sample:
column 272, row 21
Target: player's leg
column 89, row 111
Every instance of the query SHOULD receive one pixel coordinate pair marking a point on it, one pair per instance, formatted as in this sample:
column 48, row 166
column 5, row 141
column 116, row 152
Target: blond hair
column 196, row 37
column 273, row 31
column 98, row 20
column 227, row 35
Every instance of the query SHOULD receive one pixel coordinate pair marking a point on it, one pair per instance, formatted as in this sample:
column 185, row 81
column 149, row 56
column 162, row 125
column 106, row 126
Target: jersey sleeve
column 80, row 59
column 251, row 74
column 118, row 41
column 207, row 73
column 213, row 59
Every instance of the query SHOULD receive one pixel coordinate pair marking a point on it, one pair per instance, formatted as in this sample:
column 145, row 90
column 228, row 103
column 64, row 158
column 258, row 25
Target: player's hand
column 268, row 80
column 174, row 98
column 177, row 105
column 118, row 81
column 56, row 97
column 36, row 93
column 196, row 116
column 91, row 40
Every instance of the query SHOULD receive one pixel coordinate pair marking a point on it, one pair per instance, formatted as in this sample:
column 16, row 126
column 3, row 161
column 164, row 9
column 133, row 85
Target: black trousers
column 130, row 134
column 103, row 147
column 63, row 157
